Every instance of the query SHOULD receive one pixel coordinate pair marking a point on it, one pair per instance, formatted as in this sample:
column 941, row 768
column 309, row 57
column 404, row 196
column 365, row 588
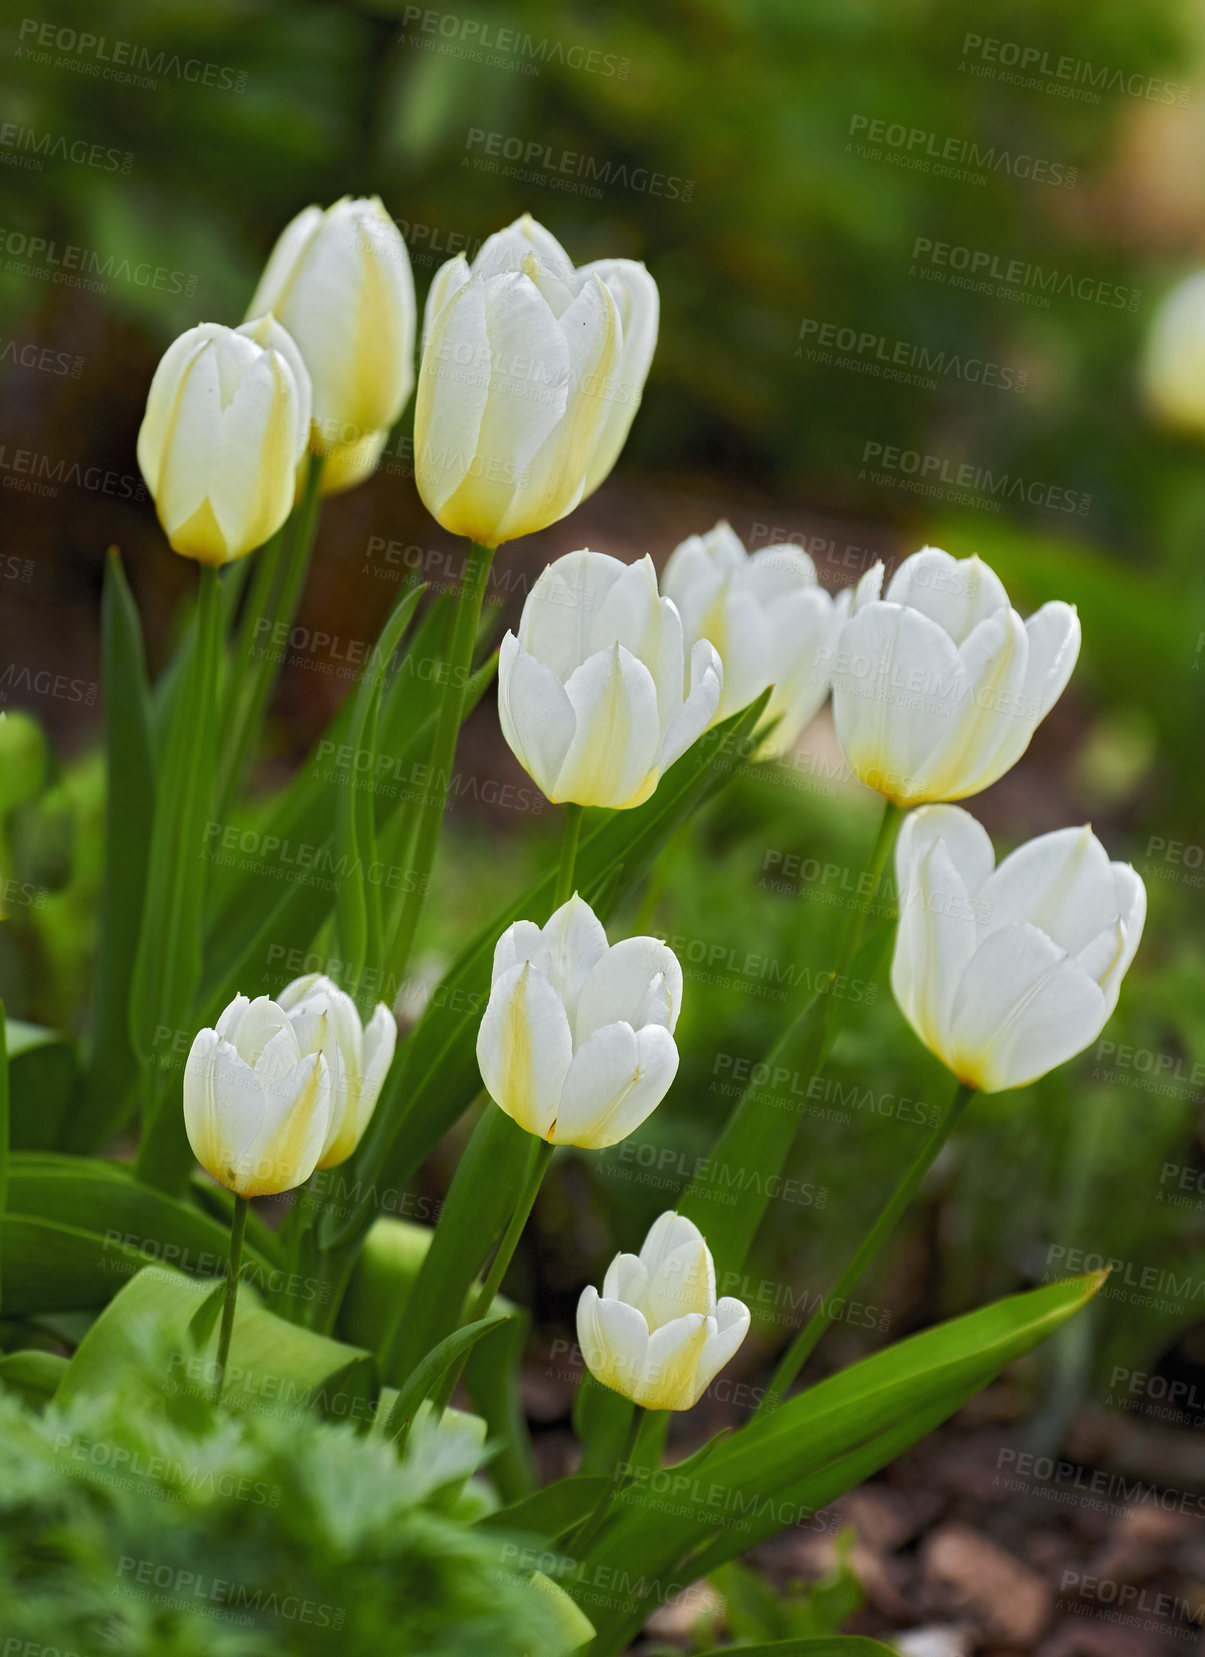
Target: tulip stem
column 884, row 839
column 572, row 834
column 502, row 1259
column 238, row 1226
column 620, row 1475
column 805, row 1342
column 466, row 621
column 279, row 577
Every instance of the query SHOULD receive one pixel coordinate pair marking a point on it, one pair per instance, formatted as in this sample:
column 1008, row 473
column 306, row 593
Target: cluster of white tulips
column 531, row 372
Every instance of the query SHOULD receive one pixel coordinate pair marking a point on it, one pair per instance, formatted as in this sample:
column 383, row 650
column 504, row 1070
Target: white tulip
column 577, row 1043
column 340, row 282
column 1005, row 973
column 257, row 1099
column 359, row 1055
column 769, row 618
column 531, row 375
column 592, row 694
column 1174, row 365
column 657, row 1334
column 226, row 425
column 939, row 686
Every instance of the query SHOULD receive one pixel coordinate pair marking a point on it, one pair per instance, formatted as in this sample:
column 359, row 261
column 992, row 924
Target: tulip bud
column 577, row 1044
column 257, row 1099
column 1005, row 973
column 768, row 617
column 357, row 1055
column 531, row 375
column 938, row 688
column 1174, row 365
column 592, row 694
column 224, row 431
column 340, row 282
column 657, row 1334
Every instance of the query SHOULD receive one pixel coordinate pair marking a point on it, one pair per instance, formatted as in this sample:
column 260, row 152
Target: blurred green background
column 723, row 143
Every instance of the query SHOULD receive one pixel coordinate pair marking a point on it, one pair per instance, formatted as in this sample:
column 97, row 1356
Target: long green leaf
column 425, row 1378
column 762, row 1471
column 552, row 1512
column 107, row 1094
column 43, row 1079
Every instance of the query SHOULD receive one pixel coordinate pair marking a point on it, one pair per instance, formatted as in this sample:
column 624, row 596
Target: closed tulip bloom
column 1174, row 365
column 768, row 617
column 531, row 374
column 939, row 686
column 577, row 1042
column 592, row 694
column 226, row 424
column 657, row 1334
column 340, row 282
column 358, row 1055
column 1005, row 973
column 257, row 1099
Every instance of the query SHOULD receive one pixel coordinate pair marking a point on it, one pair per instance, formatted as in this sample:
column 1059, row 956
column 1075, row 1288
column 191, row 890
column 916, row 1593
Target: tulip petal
column 557, row 617
column 626, row 1279
column 989, row 711
column 700, row 707
column 617, row 1079
column 453, row 389
column 524, row 1048
column 956, row 593
column 683, row 1281
column 293, row 1130
column 223, row 1106
column 637, row 304
column 535, row 713
column 618, row 986
column 671, row 1364
column 668, row 1233
column 615, row 742
column 726, row 1329
column 1023, row 1007
column 1061, row 882
column 574, row 942
column 617, row 1338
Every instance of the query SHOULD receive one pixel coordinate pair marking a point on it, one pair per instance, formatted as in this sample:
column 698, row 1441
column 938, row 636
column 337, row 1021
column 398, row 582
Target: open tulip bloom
column 358, row 1055
column 939, row 686
column 531, row 375
column 226, row 425
column 768, row 617
column 592, row 694
column 257, row 1097
column 657, row 1333
column 1006, row 972
column 340, row 282
column 577, row 1041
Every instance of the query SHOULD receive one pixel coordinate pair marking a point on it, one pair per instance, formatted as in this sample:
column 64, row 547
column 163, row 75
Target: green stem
column 620, row 1475
column 238, row 1226
column 502, row 1259
column 564, row 879
column 465, row 625
column 276, row 588
column 805, row 1342
column 884, row 839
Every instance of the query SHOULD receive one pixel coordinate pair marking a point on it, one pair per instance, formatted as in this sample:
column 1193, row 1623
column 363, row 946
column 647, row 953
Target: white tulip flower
column 657, row 1334
column 1174, row 364
column 340, row 282
column 577, row 1042
column 358, row 1054
column 592, row 694
column 1005, row 973
column 531, row 375
column 226, row 425
column 768, row 617
column 257, row 1099
column 939, row 686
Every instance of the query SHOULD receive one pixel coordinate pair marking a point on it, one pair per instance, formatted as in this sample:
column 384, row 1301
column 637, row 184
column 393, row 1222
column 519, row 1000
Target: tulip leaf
column 32, row 1374
column 822, row 1441
column 43, row 1077
column 435, row 1075
column 358, row 899
column 46, row 1266
column 129, row 814
column 274, row 1366
column 167, row 966
column 553, row 1511
column 437, row 1364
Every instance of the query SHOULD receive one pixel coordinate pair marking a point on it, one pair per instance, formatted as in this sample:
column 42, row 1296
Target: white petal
column 614, row 1339
column 670, row 1378
column 725, row 1332
column 619, row 985
column 535, row 713
column 615, row 741
column 1061, row 882
column 574, row 942
column 616, row 1080
column 524, row 1048
column 556, row 622
column 956, row 593
column 700, row 707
